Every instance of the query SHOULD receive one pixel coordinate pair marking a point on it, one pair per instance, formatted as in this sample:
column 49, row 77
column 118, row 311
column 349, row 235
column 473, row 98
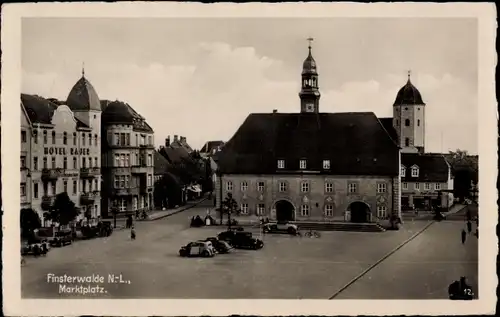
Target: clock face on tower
column 310, row 107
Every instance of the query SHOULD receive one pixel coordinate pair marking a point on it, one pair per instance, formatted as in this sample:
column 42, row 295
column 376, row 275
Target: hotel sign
column 63, row 151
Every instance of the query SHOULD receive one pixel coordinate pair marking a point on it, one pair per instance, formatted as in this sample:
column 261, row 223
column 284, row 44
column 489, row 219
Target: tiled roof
column 174, row 155
column 116, row 112
column 408, row 95
column 41, row 110
column 211, row 145
column 83, row 96
column 432, row 167
column 355, row 144
column 161, row 163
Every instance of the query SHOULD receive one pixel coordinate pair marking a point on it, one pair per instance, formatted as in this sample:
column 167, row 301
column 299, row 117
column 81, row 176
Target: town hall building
column 316, row 166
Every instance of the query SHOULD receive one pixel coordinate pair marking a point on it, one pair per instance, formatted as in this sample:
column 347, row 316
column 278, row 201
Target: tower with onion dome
column 409, row 118
column 309, row 93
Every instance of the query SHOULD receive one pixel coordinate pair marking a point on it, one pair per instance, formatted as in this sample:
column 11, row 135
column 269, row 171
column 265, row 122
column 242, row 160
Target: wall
column 415, row 132
column 26, row 153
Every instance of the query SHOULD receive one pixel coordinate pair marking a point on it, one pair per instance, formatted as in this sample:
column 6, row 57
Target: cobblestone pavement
column 287, row 267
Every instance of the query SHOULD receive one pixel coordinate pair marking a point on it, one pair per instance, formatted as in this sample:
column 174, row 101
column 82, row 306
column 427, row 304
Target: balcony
column 139, row 169
column 146, row 146
column 50, row 174
column 126, row 191
column 47, row 202
column 87, row 198
column 89, row 172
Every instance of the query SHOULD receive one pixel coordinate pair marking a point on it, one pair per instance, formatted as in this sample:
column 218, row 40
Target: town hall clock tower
column 309, row 93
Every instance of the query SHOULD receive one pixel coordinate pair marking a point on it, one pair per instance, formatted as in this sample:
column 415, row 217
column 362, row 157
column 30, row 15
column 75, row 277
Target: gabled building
column 311, row 165
column 210, row 148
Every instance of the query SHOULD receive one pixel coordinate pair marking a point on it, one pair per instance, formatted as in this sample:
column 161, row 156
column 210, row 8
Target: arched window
column 74, row 138
column 53, row 137
column 83, row 139
column 75, row 164
column 407, row 141
column 407, row 122
column 418, row 122
column 65, row 138
column 90, row 139
column 44, row 136
column 35, row 136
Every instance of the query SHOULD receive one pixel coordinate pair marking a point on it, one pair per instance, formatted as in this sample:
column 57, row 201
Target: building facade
column 128, row 159
column 310, row 165
column 60, row 152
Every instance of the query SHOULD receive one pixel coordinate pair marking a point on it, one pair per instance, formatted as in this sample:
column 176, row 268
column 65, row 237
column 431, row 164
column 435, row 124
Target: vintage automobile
column 220, row 246
column 198, row 249
column 280, row 227
column 241, row 239
column 35, row 247
column 105, row 228
column 61, row 238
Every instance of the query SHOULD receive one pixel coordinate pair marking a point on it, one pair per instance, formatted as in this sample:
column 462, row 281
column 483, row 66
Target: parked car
column 105, row 228
column 35, row 247
column 61, row 238
column 198, row 249
column 89, row 232
column 283, row 227
column 220, row 246
column 241, row 239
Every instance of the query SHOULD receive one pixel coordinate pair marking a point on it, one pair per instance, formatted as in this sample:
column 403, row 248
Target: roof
column 408, row 95
column 83, row 96
column 174, row 154
column 309, row 65
column 161, row 163
column 119, row 112
column 355, row 144
column 432, row 167
column 211, row 145
column 387, row 124
column 41, row 110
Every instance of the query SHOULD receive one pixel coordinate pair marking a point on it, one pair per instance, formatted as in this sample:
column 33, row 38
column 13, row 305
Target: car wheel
column 205, row 254
column 291, row 230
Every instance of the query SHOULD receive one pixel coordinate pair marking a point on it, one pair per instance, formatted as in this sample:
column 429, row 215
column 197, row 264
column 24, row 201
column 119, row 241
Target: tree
column 64, row 210
column 229, row 206
column 30, row 220
column 465, row 171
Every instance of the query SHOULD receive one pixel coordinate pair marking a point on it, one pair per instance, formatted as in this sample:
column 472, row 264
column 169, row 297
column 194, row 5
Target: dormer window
column 414, row 171
column 403, row 171
column 303, row 164
column 326, row 164
column 281, row 164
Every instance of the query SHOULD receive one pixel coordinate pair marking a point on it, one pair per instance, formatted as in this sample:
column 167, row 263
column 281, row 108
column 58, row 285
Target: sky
column 201, row 77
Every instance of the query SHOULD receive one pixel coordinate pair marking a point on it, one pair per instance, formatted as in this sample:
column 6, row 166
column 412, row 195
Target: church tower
column 309, row 93
column 409, row 119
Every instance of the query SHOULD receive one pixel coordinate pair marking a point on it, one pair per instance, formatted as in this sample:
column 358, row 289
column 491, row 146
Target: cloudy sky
column 200, row 77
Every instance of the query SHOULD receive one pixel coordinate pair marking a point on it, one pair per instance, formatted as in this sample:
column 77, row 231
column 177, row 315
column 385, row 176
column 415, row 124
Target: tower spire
column 83, row 69
column 310, row 39
column 409, row 74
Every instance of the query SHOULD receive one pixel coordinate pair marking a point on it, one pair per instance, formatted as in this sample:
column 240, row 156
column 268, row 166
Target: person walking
column 469, row 227
column 132, row 233
column 464, row 236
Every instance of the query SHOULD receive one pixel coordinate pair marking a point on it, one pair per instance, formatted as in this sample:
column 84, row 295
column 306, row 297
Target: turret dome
column 83, row 96
column 309, row 65
column 408, row 95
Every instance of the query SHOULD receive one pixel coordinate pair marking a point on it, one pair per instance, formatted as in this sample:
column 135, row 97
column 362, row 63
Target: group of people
column 198, row 222
column 469, row 227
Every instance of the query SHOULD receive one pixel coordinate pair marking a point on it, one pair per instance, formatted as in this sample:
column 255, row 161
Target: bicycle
column 312, row 234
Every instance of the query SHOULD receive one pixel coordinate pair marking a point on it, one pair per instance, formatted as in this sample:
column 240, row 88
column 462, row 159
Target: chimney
column 275, row 111
column 167, row 141
column 183, row 139
column 176, row 138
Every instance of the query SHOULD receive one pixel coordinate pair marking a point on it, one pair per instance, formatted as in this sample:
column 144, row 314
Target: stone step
column 347, row 226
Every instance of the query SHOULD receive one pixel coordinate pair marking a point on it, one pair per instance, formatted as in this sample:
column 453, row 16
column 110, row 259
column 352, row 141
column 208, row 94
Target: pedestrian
column 464, row 236
column 469, row 227
column 132, row 233
column 469, row 215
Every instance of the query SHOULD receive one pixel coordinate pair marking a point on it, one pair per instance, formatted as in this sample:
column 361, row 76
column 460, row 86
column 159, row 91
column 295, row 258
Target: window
column 95, row 140
column 23, row 161
column 261, row 209
column 414, row 171
column 403, row 171
column 417, row 186
column 117, row 139
column 84, row 162
column 281, row 164
column 23, row 136
column 117, row 181
column 303, row 164
column 150, row 180
column 150, row 160
column 65, row 163
column 407, row 141
column 150, row 140
column 127, row 181
column 54, row 162
column 44, row 162
column 418, row 122
column 65, row 138
column 83, row 139
column 282, row 187
column 35, row 136
column 244, row 209
column 244, row 186
column 407, row 122
column 117, row 160
column 90, row 185
column 44, row 136
column 437, row 186
column 90, row 162
column 405, row 186
column 35, row 163
column 53, row 188
column 96, row 162
column 23, row 189
column 229, row 186
column 65, row 186
column 326, row 164
column 74, row 138
column 304, row 210
column 75, row 164
column 127, row 138
column 75, row 187
column 84, row 186
column 304, row 187
column 53, row 137
column 122, row 139
column 381, row 188
column 122, row 205
column 352, row 188
column 329, row 210
column 90, row 139
column 397, row 123
column 35, row 190
column 329, row 187
column 427, row 186
column 260, row 186
column 381, row 211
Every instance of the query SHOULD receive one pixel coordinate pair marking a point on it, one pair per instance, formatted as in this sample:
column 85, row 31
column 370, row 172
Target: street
column 287, row 267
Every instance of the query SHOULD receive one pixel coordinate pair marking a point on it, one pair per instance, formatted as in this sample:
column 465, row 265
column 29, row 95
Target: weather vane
column 409, row 74
column 83, row 69
column 310, row 41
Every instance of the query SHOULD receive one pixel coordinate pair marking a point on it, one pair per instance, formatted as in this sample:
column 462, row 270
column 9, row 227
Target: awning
column 195, row 188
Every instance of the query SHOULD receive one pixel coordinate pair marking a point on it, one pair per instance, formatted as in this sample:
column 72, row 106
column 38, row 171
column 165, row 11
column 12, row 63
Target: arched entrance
column 284, row 211
column 360, row 212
